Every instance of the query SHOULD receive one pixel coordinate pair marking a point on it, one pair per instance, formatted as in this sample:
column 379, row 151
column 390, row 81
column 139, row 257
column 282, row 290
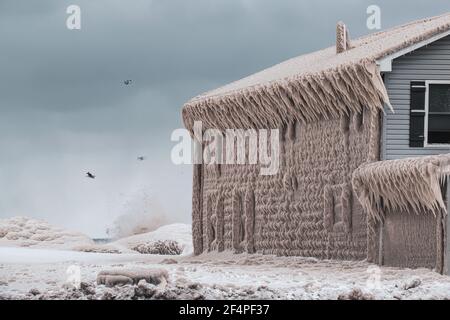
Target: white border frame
column 427, row 109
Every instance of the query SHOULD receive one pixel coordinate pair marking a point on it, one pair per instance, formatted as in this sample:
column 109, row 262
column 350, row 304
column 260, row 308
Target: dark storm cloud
column 64, row 108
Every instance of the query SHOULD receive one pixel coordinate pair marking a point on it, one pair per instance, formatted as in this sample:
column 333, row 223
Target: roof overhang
column 402, row 184
column 385, row 63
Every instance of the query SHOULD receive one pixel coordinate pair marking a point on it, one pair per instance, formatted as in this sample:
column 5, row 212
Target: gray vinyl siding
column 427, row 63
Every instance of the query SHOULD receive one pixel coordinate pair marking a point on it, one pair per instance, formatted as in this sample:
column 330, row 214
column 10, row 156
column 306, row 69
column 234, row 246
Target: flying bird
column 90, row 175
column 141, row 158
column 127, row 82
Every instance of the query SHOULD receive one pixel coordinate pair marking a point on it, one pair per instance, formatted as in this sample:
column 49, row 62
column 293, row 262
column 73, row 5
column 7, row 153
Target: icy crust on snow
column 28, row 232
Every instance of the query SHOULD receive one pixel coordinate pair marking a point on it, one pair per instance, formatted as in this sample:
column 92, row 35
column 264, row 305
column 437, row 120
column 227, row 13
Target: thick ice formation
column 327, row 94
column 402, row 185
column 27, row 232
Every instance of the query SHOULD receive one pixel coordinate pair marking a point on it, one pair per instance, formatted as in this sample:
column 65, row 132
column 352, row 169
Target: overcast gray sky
column 64, row 109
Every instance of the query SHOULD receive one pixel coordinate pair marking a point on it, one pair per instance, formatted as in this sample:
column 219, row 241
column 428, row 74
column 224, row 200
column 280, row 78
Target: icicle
column 326, row 94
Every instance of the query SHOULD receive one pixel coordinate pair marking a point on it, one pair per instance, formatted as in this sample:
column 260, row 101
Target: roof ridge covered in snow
column 311, row 86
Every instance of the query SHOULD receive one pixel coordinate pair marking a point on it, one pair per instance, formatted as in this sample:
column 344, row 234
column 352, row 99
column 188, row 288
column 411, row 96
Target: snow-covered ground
column 44, row 273
column 41, row 273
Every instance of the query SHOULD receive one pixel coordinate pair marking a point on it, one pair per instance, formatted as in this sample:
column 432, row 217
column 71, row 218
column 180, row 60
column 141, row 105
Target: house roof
column 319, row 84
column 402, row 185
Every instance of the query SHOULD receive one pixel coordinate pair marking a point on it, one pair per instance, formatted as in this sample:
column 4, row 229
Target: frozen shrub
column 163, row 247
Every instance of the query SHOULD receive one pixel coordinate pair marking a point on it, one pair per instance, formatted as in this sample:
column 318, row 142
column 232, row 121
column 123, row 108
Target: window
column 438, row 113
column 429, row 113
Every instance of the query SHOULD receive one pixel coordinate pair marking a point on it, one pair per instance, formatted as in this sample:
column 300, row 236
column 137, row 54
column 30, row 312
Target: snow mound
column 169, row 239
column 28, row 232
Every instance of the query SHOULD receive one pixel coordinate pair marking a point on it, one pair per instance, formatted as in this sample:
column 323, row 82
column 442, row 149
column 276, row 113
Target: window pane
column 439, row 128
column 439, row 99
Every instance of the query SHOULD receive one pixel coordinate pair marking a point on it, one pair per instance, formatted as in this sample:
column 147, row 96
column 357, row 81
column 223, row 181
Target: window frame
column 427, row 113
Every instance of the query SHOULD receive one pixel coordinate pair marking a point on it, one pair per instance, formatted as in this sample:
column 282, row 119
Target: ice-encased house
column 364, row 151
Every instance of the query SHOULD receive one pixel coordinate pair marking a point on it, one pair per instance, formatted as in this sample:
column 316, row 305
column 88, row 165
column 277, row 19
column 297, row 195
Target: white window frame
column 427, row 109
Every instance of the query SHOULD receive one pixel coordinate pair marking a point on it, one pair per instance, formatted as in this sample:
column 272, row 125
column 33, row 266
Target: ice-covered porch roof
column 311, row 86
column 402, row 185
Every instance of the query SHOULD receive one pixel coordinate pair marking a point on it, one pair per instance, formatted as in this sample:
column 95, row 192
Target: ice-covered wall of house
column 307, row 209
